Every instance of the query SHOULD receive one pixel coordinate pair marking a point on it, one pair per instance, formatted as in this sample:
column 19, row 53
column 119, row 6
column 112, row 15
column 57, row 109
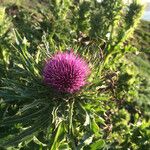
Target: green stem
column 70, row 116
column 70, row 125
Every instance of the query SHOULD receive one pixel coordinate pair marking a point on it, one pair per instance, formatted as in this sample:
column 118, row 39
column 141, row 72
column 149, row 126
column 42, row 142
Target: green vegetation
column 141, row 38
column 111, row 112
column 142, row 61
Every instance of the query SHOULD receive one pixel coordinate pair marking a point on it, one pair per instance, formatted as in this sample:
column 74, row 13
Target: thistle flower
column 66, row 72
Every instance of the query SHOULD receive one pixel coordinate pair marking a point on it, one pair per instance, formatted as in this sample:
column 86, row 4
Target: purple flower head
column 66, row 72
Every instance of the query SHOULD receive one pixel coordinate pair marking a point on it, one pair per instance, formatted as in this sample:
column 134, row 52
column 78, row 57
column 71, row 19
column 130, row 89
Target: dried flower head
column 66, row 72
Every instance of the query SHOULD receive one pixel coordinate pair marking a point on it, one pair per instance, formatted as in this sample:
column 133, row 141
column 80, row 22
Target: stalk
column 70, row 116
column 71, row 106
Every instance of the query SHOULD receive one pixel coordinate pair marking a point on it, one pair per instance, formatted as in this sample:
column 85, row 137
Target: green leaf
column 86, row 140
column 87, row 119
column 94, row 126
column 28, row 133
column 24, row 118
column 99, row 144
column 36, row 140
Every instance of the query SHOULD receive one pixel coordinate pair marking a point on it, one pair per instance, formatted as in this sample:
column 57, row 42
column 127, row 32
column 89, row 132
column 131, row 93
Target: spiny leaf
column 25, row 118
column 28, row 133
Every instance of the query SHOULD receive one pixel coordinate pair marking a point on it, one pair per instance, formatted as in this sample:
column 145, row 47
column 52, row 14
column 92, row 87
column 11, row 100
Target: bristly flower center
column 66, row 72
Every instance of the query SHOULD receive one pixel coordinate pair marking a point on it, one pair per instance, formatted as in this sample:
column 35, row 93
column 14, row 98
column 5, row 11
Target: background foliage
column 111, row 112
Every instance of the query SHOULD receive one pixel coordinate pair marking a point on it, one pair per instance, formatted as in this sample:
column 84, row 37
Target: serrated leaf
column 28, row 133
column 25, row 118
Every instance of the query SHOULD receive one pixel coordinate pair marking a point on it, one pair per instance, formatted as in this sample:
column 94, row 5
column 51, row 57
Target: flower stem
column 71, row 106
column 70, row 116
